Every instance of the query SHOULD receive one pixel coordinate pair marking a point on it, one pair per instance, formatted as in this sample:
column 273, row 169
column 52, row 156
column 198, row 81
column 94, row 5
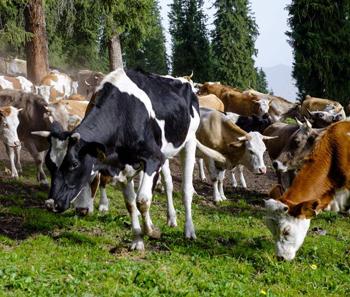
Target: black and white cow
column 138, row 120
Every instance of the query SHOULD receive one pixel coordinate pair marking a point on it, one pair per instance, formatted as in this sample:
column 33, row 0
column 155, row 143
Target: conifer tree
column 261, row 82
column 190, row 42
column 320, row 37
column 234, row 43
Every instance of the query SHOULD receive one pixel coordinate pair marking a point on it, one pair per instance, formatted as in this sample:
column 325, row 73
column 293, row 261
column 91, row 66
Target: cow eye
column 5, row 125
column 285, row 232
column 74, row 165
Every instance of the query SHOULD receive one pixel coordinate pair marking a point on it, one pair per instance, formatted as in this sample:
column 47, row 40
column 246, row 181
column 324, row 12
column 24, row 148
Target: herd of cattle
column 101, row 128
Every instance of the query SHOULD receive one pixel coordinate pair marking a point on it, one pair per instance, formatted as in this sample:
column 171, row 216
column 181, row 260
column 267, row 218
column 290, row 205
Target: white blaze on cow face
column 8, row 126
column 58, row 150
column 253, row 157
column 288, row 232
column 264, row 105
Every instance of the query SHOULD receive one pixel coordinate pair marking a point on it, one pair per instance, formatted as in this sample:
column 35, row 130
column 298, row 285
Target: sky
column 271, row 18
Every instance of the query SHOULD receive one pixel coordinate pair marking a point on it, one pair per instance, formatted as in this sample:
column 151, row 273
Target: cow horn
column 76, row 136
column 45, row 134
column 300, row 124
column 191, row 75
column 269, row 137
column 308, row 124
column 242, row 138
column 87, row 83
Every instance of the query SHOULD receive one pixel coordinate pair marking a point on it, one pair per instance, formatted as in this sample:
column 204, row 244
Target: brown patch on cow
column 15, row 82
column 5, row 111
column 77, row 97
column 94, row 185
column 54, row 94
column 324, row 171
column 48, row 79
column 276, row 192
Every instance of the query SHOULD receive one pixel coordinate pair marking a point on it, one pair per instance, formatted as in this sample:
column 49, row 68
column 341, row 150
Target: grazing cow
column 8, row 134
column 56, row 85
column 16, row 83
column 245, row 103
column 325, row 170
column 237, row 146
column 33, row 117
column 135, row 119
column 88, row 81
column 211, row 101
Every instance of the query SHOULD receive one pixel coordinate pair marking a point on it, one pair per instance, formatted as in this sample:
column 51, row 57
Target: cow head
column 325, row 117
column 288, row 231
column 57, row 111
column 254, row 148
column 8, row 125
column 70, row 160
column 296, row 148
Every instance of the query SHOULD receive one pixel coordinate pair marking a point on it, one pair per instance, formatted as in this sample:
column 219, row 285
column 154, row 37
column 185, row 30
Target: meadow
column 47, row 254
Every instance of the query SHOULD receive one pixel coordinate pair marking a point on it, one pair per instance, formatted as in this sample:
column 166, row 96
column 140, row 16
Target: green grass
column 64, row 255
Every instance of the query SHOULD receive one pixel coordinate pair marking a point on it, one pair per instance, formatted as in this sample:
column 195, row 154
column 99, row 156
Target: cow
column 325, row 171
column 8, row 133
column 248, row 124
column 33, row 117
column 13, row 67
column 211, row 101
column 136, row 119
column 88, row 80
column 56, row 86
column 237, row 146
column 245, row 103
column 278, row 106
column 16, row 83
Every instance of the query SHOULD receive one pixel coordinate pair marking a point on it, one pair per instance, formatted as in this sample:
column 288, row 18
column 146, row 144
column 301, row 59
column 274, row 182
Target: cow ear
column 306, row 210
column 94, row 149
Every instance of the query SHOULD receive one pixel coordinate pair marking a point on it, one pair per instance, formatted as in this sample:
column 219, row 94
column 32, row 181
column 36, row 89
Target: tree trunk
column 115, row 53
column 36, row 47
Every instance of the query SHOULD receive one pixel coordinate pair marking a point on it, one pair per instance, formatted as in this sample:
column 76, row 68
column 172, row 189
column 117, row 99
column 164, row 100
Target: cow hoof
column 103, row 208
column 172, row 222
column 50, row 204
column 82, row 211
column 154, row 233
column 189, row 231
column 137, row 245
column 223, row 198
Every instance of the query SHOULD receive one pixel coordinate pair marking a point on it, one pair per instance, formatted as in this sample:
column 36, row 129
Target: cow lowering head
column 254, row 148
column 70, row 161
column 288, row 231
column 8, row 125
column 296, row 148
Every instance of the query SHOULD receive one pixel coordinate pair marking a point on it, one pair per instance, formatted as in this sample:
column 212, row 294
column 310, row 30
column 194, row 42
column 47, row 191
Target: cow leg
column 233, row 178
column 221, row 184
column 188, row 158
column 241, row 176
column 130, row 202
column 104, row 202
column 201, row 170
column 18, row 159
column 166, row 175
column 144, row 196
column 11, row 153
column 39, row 161
column 214, row 177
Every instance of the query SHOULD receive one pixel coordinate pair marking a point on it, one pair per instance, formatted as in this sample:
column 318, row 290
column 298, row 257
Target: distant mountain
column 280, row 80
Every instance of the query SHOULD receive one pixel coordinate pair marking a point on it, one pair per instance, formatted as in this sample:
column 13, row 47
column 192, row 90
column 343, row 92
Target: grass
column 44, row 254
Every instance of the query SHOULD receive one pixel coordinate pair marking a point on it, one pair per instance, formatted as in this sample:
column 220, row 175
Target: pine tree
column 261, row 82
column 320, row 36
column 234, row 43
column 190, row 42
column 151, row 54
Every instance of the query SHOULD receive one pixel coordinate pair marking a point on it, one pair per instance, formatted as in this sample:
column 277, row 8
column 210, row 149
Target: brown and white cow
column 8, row 133
column 237, row 146
column 88, row 81
column 211, row 101
column 16, row 83
column 56, row 86
column 325, row 171
column 33, row 117
column 245, row 103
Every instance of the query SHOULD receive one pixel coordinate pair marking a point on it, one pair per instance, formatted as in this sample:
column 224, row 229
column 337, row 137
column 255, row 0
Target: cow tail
column 218, row 157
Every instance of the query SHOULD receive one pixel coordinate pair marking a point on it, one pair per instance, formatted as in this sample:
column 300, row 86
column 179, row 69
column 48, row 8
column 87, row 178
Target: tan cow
column 237, row 146
column 245, row 103
column 325, row 171
column 211, row 101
